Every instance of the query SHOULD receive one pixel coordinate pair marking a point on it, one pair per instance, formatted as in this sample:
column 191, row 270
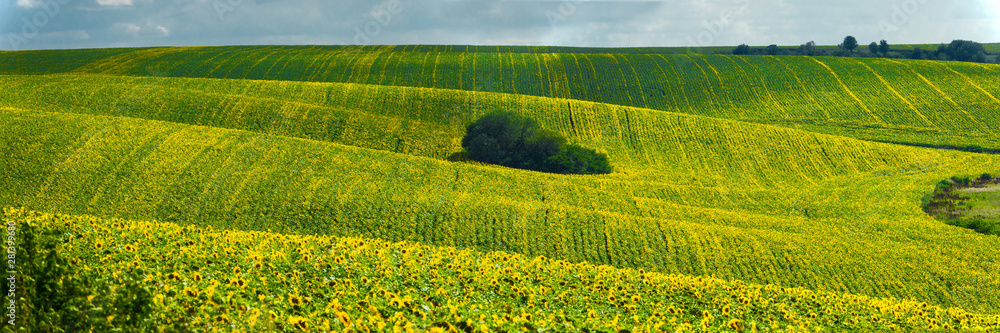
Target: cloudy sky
column 46, row 24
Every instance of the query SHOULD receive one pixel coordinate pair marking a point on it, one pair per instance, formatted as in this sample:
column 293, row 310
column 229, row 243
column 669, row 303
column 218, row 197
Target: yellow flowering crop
column 732, row 168
column 397, row 294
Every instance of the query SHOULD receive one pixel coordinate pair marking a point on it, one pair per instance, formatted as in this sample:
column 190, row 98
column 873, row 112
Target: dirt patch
column 979, row 189
column 985, row 212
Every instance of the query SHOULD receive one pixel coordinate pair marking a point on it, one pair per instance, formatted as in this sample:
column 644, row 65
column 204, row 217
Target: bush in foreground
column 52, row 295
column 511, row 140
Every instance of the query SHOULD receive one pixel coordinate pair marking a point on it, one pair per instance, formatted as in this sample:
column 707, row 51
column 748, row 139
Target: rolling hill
column 750, row 172
column 940, row 103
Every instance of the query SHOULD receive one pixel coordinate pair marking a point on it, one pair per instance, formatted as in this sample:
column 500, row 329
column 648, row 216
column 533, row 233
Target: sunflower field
column 207, row 279
column 309, row 188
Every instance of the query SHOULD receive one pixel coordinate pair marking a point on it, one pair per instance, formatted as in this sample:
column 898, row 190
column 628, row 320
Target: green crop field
column 993, row 48
column 748, row 192
column 941, row 103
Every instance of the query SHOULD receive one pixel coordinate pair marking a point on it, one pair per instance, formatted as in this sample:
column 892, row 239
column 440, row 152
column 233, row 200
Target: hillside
column 722, row 178
column 925, row 102
column 711, row 202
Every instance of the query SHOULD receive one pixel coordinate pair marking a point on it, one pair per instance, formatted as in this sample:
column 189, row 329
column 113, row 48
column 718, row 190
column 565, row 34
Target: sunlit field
column 309, row 188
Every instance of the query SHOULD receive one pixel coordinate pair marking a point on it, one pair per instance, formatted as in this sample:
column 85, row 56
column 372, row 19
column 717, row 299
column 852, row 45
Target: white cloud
column 107, row 2
column 127, row 28
column 29, row 3
column 165, row 31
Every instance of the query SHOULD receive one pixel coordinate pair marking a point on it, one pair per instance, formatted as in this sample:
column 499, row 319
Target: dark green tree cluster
column 850, row 43
column 742, row 49
column 511, row 140
column 808, row 49
column 958, row 50
column 964, row 50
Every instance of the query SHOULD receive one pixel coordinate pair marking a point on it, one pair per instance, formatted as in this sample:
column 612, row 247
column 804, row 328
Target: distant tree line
column 957, row 50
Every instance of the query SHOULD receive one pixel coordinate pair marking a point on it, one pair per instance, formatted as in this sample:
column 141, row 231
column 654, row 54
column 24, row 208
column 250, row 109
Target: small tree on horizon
column 808, row 48
column 742, row 49
column 850, row 43
column 772, row 49
column 883, row 46
column 873, row 48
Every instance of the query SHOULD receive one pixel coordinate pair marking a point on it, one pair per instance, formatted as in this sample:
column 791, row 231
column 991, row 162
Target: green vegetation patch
column 50, row 292
column 968, row 202
column 512, row 140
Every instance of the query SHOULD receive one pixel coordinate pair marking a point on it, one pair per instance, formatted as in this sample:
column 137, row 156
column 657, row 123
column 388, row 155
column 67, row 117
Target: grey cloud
column 84, row 23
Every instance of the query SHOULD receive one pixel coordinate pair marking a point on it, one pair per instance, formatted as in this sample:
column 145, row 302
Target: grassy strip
column 948, row 203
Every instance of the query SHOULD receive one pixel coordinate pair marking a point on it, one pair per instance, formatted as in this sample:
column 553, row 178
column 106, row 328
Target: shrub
column 964, row 50
column 975, row 149
column 461, row 156
column 964, row 180
column 53, row 297
column 980, row 225
column 511, row 140
column 578, row 160
column 986, row 177
column 742, row 49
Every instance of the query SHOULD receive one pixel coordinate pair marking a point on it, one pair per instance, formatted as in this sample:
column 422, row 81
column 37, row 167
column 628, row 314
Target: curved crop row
column 430, row 122
column 927, row 102
column 843, row 233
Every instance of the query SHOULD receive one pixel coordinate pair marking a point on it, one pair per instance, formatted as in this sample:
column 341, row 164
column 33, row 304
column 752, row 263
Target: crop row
column 893, row 100
column 844, row 232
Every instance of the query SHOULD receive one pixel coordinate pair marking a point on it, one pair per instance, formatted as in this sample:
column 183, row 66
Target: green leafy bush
column 51, row 296
column 964, row 180
column 981, row 225
column 511, row 140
